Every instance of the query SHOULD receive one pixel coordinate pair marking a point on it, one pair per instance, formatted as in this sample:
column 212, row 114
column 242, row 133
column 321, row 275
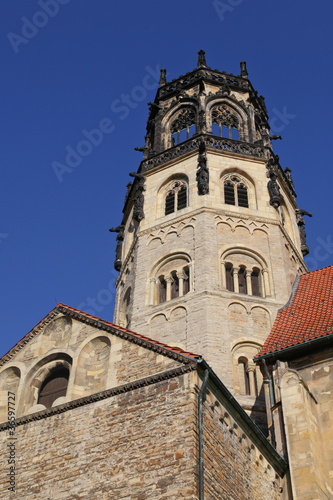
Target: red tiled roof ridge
column 175, row 349
column 307, row 315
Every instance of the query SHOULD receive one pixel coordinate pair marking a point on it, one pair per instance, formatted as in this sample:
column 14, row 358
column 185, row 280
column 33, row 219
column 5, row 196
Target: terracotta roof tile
column 307, row 316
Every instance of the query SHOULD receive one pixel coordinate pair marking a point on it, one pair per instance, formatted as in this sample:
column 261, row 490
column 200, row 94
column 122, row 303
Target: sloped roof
column 103, row 325
column 307, row 316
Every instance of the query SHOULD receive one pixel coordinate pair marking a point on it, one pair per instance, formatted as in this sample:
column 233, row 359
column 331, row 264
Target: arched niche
column 58, row 332
column 92, row 367
column 38, row 375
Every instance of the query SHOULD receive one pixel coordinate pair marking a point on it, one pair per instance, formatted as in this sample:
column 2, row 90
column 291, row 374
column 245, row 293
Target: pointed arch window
column 235, row 192
column 224, row 122
column 176, row 197
column 183, row 126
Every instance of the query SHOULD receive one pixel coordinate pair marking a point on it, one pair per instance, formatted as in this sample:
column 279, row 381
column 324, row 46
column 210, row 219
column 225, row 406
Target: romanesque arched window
column 183, row 125
column 235, row 191
column 245, row 273
column 225, row 122
column 170, row 280
column 176, row 197
column 124, row 317
column 53, row 387
column 248, row 380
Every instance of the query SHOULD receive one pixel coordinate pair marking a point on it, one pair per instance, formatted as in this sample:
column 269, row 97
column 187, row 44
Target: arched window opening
column 174, row 285
column 235, row 134
column 226, row 121
column 183, row 126
column 124, row 317
column 172, row 280
column 176, row 198
column 182, row 198
column 229, row 193
column 215, row 129
column 242, row 274
column 54, row 387
column 255, row 282
column 170, row 203
column 242, row 196
column 229, row 277
column 242, row 280
column 244, row 376
column 186, row 282
column 235, row 191
column 162, row 289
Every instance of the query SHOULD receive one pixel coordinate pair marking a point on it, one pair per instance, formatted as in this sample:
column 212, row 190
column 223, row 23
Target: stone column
column 266, row 286
column 249, row 282
column 251, row 368
column 168, row 279
column 235, row 276
column 152, row 291
column 181, row 276
column 224, row 281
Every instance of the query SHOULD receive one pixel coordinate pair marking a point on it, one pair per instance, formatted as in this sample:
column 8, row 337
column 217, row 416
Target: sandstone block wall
column 139, row 445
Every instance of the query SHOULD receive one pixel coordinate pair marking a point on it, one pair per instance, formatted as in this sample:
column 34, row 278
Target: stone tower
column 211, row 238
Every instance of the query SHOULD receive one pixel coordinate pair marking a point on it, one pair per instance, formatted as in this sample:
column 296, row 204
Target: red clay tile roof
column 62, row 308
column 308, row 316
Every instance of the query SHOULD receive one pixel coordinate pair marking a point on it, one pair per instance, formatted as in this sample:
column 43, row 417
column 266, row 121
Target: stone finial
column 244, row 72
column 163, row 79
column 201, row 59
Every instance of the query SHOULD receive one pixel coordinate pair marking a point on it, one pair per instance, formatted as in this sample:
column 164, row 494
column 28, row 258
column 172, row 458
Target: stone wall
column 307, row 404
column 234, row 467
column 138, row 445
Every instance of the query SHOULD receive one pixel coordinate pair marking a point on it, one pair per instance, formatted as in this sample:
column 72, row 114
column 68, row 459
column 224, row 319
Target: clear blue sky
column 69, row 74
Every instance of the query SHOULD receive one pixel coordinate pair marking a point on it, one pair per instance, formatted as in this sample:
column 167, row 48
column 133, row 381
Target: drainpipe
column 201, row 398
column 270, row 382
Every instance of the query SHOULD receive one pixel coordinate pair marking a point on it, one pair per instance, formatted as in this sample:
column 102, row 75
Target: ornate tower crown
column 209, row 244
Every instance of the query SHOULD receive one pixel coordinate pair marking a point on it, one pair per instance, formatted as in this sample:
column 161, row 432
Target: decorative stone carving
column 222, row 114
column 201, row 59
column 287, row 171
column 244, row 72
column 163, row 79
column 272, row 185
column 138, row 201
column 119, row 248
column 129, row 187
column 301, row 227
column 185, row 119
column 202, row 171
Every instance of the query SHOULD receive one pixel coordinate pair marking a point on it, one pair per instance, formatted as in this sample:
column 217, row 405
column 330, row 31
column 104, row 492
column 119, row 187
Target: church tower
column 211, row 238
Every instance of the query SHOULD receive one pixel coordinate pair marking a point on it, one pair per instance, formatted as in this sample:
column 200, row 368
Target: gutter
column 298, row 347
column 270, row 381
column 201, row 399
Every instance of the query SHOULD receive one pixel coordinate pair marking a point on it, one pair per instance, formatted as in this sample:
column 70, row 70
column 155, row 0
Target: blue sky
column 68, row 65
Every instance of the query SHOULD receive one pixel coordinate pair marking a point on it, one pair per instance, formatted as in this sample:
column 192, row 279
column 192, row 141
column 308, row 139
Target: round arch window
column 53, row 387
